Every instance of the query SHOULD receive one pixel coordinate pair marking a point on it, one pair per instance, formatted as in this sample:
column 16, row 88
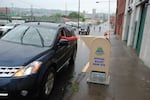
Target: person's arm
column 72, row 38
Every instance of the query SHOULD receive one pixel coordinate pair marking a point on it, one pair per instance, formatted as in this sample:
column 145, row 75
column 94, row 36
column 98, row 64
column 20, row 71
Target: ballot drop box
column 99, row 59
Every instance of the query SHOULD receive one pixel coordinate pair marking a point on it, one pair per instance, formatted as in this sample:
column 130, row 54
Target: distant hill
column 38, row 12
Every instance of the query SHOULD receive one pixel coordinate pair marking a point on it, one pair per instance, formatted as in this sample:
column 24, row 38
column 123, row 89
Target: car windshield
column 38, row 36
column 83, row 26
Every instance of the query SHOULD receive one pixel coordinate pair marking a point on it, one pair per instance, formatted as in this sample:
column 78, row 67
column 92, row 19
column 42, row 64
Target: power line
column 25, row 2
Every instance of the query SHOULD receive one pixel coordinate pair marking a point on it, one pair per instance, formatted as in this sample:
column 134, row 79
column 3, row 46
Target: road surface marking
column 85, row 68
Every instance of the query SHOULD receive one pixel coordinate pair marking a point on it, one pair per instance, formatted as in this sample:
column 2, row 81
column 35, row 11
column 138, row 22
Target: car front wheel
column 48, row 84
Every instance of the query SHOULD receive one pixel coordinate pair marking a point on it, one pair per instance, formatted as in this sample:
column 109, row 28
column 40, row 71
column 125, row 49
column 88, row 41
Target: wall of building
column 137, row 25
column 132, row 20
column 145, row 47
column 125, row 22
column 136, row 19
column 131, row 28
column 129, row 19
column 120, row 16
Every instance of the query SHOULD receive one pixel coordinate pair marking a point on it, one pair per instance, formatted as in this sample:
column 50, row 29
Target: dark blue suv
column 30, row 56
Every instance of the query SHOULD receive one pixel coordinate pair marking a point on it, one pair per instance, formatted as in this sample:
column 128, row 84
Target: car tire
column 48, row 84
column 73, row 57
column 79, row 32
column 86, row 33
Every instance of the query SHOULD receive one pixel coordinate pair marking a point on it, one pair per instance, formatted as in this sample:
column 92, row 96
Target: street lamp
column 109, row 18
column 65, row 8
column 108, row 13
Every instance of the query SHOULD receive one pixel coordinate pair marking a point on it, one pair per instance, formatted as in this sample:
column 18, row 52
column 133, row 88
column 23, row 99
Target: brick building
column 5, row 11
column 120, row 16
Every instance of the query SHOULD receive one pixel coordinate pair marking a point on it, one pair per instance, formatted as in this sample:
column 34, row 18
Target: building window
column 130, row 2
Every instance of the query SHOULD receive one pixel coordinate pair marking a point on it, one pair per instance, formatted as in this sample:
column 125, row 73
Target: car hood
column 12, row 54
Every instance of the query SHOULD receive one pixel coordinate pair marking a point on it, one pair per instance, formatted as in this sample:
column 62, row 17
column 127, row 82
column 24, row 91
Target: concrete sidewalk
column 130, row 78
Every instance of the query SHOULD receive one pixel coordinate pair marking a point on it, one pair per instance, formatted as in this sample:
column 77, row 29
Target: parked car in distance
column 7, row 27
column 33, row 53
column 74, row 25
column 84, row 29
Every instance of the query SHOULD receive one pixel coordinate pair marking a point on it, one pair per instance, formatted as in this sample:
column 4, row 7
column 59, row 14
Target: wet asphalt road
column 67, row 79
column 129, row 77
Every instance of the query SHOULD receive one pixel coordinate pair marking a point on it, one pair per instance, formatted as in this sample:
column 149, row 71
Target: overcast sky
column 85, row 5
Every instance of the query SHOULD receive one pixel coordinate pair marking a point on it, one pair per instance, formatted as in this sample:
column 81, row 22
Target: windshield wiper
column 42, row 40
column 23, row 35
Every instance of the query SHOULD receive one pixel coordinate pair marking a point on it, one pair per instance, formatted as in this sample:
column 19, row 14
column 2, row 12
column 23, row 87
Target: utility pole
column 65, row 8
column 6, row 13
column 31, row 13
column 109, row 18
column 78, row 13
column 108, row 14
column 12, row 10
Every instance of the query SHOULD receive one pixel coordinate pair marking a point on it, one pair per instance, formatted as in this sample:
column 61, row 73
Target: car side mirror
column 63, row 42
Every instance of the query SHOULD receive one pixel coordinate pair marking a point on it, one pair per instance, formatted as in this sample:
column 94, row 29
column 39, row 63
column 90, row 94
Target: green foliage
column 58, row 15
column 75, row 15
column 82, row 17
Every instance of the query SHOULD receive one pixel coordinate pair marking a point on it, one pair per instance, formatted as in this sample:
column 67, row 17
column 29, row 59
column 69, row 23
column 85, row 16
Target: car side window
column 61, row 32
column 47, row 34
column 68, row 33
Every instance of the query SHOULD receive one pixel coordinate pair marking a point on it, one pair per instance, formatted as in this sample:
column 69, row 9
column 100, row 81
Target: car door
column 61, row 51
column 70, row 45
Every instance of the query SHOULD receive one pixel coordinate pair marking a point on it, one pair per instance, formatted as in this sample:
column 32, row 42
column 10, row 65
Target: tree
column 73, row 15
column 56, row 18
column 82, row 17
column 58, row 15
column 76, row 15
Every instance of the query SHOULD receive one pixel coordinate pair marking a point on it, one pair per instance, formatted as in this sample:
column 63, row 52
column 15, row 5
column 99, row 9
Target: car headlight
column 29, row 69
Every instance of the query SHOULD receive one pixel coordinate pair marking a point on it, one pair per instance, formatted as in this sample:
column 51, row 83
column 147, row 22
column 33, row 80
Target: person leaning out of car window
column 72, row 38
